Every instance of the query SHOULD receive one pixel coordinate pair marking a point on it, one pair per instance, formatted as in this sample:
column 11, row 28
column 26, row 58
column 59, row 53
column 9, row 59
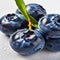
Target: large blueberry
column 27, row 42
column 35, row 10
column 11, row 22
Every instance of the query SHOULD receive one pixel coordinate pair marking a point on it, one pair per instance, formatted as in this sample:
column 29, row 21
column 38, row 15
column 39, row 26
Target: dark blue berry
column 27, row 42
column 36, row 10
column 11, row 22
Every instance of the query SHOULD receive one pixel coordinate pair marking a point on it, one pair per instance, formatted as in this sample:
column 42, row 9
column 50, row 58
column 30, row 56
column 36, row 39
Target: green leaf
column 22, row 8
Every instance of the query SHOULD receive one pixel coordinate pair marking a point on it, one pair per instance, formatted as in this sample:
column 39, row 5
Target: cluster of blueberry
column 27, row 42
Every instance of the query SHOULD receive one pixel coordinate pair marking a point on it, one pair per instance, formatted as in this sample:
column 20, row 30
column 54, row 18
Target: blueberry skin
column 35, row 10
column 11, row 23
column 53, row 40
column 43, row 25
column 27, row 42
column 51, row 31
column 55, row 20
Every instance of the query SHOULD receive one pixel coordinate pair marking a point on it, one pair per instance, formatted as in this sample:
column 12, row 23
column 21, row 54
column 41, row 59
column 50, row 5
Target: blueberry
column 27, row 42
column 35, row 10
column 50, row 22
column 11, row 22
column 52, row 37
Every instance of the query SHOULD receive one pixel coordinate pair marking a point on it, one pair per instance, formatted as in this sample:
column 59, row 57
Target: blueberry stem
column 30, row 24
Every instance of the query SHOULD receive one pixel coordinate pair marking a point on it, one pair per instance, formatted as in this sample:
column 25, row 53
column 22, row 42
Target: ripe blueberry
column 11, row 22
column 36, row 10
column 27, row 42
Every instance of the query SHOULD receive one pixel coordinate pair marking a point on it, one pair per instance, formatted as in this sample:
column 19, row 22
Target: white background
column 6, row 53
